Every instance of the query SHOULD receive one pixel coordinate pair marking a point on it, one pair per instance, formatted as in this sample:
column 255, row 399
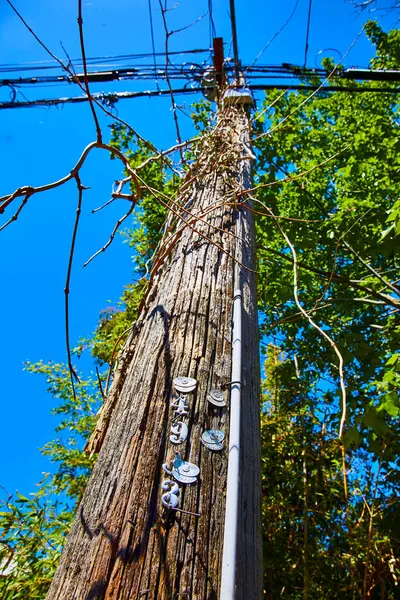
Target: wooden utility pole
column 124, row 544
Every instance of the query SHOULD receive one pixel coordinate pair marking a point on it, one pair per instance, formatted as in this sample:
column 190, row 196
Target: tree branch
column 386, row 283
column 72, row 371
column 72, row 73
column 167, row 36
column 337, row 278
column 82, row 43
column 114, row 231
column 316, row 327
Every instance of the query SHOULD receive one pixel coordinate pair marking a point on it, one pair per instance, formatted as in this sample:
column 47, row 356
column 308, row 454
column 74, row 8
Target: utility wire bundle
column 189, row 77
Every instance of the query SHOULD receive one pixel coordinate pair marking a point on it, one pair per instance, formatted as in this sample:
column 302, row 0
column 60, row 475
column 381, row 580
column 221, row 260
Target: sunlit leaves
column 33, row 528
column 342, row 217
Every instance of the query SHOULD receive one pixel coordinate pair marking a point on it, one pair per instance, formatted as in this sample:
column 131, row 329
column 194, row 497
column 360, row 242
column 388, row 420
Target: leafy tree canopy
column 333, row 508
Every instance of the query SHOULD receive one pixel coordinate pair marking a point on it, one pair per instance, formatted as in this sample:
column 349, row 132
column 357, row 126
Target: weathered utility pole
column 124, row 544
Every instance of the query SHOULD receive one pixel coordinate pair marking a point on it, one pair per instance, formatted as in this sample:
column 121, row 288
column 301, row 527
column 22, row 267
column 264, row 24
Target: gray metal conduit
column 232, row 488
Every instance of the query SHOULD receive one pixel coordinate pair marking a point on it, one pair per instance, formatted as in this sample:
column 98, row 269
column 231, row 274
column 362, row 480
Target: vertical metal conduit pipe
column 232, row 488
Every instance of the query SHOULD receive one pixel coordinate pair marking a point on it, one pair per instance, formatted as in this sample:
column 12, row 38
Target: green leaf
column 351, row 436
column 393, row 359
column 21, row 498
column 375, row 420
column 387, row 231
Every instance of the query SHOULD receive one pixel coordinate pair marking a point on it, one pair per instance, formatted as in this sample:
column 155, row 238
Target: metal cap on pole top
column 215, row 83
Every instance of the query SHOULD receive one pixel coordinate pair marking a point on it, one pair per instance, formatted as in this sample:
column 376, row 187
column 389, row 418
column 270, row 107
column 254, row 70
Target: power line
column 234, row 38
column 331, row 88
column 110, row 99
column 152, row 37
column 308, row 32
column 194, row 72
column 52, row 64
column 185, row 71
column 277, row 33
column 213, row 32
column 106, row 98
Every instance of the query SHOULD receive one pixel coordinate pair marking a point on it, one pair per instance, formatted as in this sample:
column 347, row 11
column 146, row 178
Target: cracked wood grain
column 122, row 544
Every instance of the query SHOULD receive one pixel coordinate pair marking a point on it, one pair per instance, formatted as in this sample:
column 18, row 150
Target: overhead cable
column 308, row 32
column 213, row 32
column 195, row 73
column 110, row 99
column 152, row 36
column 52, row 64
column 234, row 38
column 276, row 33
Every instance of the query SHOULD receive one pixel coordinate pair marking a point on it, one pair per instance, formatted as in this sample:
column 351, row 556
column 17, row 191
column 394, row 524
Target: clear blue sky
column 41, row 145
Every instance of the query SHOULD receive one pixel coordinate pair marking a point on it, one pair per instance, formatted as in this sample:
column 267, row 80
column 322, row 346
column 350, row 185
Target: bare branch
column 179, row 212
column 72, row 371
column 335, row 277
column 167, row 36
column 190, row 24
column 16, row 215
column 316, row 327
column 30, row 191
column 100, row 384
column 82, row 43
column 259, row 115
column 114, row 231
column 290, row 177
column 71, row 71
column 95, row 210
column 186, row 212
column 169, row 151
column 281, row 217
column 113, row 355
column 386, row 283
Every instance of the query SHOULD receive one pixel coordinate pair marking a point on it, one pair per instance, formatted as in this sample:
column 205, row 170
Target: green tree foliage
column 329, row 171
column 318, row 543
column 327, row 182
column 33, row 528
